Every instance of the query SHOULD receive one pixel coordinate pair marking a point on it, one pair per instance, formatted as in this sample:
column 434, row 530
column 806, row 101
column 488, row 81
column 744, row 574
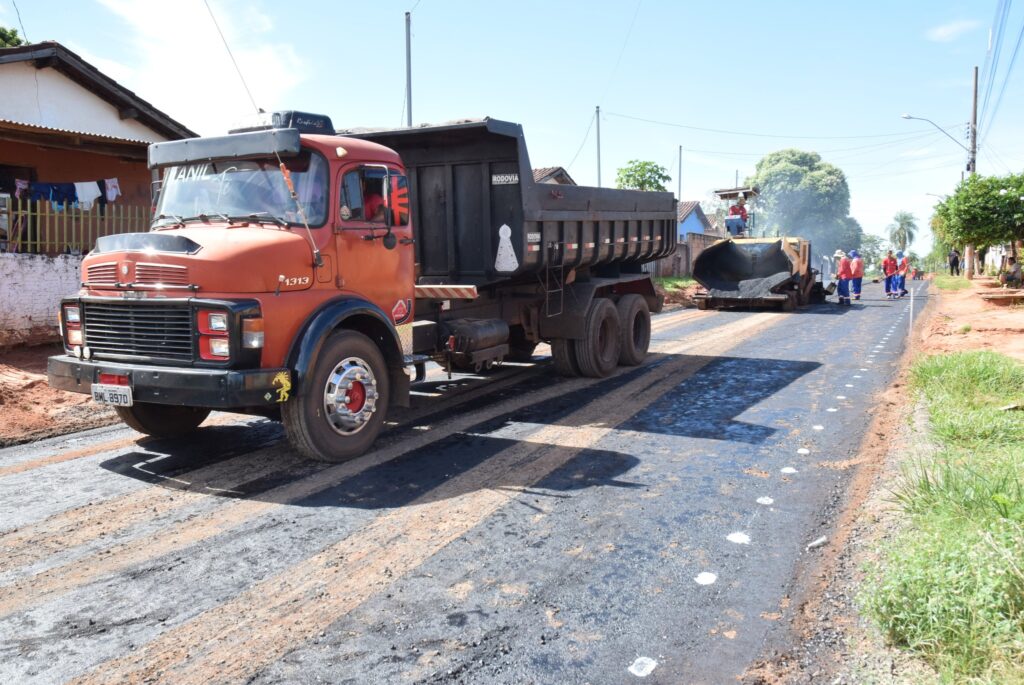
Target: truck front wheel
column 162, row 420
column 339, row 408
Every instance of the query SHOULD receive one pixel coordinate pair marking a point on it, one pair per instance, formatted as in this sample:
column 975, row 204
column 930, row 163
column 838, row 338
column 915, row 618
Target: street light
column 944, row 132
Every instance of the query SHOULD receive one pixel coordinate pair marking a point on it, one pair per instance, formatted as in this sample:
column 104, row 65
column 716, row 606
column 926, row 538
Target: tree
column 802, row 195
column 9, row 38
column 984, row 210
column 902, row 230
column 872, row 249
column 638, row 175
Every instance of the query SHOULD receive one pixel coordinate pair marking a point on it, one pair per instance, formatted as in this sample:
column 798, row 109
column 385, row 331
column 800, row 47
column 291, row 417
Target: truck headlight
column 218, row 321
column 219, row 347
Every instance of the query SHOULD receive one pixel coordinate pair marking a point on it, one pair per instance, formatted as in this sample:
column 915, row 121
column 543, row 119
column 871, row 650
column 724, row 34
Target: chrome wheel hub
column 350, row 396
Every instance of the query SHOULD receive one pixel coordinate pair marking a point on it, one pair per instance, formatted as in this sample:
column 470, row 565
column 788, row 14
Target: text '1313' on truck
column 298, row 274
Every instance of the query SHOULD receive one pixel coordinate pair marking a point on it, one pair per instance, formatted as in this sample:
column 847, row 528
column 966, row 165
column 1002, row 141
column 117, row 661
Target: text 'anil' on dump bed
column 308, row 276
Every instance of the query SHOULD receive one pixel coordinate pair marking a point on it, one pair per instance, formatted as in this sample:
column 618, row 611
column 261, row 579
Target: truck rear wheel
column 597, row 352
column 162, row 420
column 339, row 408
column 634, row 329
column 563, row 354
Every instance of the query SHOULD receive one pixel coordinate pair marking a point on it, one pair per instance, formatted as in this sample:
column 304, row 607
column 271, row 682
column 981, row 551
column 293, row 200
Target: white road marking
column 849, row 385
column 833, row 409
column 643, row 666
column 765, row 501
column 840, row 397
column 788, row 469
column 818, row 428
column 738, row 538
column 803, row 450
column 705, row 578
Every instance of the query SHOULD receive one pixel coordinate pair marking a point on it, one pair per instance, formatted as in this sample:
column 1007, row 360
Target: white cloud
column 180, row 64
column 945, row 33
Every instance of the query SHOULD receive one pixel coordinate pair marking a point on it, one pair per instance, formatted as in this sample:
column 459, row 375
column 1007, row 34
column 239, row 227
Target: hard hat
column 839, row 254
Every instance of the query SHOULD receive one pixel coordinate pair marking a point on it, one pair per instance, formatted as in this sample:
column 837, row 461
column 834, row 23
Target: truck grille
column 139, row 329
column 103, row 274
column 160, row 274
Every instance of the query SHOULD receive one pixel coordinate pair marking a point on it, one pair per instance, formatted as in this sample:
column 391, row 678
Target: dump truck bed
column 470, row 180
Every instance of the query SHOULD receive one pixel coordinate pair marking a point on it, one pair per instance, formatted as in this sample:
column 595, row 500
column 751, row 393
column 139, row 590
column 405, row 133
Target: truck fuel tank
column 472, row 335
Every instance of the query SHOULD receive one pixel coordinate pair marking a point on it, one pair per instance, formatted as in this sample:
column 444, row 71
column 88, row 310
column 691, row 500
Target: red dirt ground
column 31, row 409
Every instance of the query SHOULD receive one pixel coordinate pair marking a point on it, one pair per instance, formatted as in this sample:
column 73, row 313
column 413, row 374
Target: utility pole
column 408, row 68
column 972, row 167
column 598, row 115
column 737, row 179
column 679, row 173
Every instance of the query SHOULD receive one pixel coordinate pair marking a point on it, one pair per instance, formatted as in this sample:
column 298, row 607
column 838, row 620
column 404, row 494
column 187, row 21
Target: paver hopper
column 742, row 272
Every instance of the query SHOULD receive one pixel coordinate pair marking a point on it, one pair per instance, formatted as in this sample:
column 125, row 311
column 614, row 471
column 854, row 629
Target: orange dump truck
column 307, row 276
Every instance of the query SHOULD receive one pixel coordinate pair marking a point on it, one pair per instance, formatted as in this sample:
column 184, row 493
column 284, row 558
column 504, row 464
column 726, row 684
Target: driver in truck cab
column 736, row 222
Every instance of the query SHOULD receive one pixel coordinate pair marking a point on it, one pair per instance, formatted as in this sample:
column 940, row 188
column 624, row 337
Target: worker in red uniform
column 843, row 274
column 736, row 222
column 902, row 267
column 889, row 268
column 857, row 273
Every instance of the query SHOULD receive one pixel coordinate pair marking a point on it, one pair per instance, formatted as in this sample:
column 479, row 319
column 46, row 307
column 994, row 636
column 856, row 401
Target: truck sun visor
column 257, row 144
column 146, row 242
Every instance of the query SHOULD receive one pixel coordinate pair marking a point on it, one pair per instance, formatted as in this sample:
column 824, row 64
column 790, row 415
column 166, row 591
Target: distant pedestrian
column 954, row 262
column 843, row 275
column 902, row 267
column 857, row 271
column 1012, row 277
column 889, row 269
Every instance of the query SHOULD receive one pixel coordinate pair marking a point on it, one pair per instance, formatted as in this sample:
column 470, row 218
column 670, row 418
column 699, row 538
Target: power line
column 755, row 135
column 583, row 142
column 232, row 56
column 1002, row 11
column 1006, row 79
column 622, row 50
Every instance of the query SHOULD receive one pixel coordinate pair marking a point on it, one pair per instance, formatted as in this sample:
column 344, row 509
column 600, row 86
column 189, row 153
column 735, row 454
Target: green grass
column 966, row 328
column 947, row 282
column 950, row 585
column 674, row 282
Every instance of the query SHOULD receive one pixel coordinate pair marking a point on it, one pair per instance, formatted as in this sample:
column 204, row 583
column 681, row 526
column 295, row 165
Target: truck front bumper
column 208, row 388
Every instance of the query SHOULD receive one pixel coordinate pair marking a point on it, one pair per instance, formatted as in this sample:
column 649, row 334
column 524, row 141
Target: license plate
column 117, row 395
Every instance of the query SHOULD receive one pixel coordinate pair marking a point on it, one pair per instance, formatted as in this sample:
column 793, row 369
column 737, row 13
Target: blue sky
column 830, row 77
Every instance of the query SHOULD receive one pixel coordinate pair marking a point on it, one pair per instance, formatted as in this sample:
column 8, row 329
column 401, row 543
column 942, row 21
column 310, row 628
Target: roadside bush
column 950, row 585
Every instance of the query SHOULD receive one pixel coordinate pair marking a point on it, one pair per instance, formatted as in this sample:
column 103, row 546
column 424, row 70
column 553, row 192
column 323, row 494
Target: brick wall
column 31, row 286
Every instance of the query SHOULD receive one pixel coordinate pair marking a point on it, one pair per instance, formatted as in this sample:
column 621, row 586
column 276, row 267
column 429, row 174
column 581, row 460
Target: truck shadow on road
column 705, row 405
column 505, row 448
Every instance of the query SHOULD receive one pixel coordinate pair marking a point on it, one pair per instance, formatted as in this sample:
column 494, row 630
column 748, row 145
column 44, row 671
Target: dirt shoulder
column 31, row 409
column 829, row 641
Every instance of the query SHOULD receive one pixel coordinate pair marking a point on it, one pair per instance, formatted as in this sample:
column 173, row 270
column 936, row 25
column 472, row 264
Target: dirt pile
column 31, row 409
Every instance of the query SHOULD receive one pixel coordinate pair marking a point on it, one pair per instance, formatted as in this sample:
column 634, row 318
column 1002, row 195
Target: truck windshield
column 245, row 188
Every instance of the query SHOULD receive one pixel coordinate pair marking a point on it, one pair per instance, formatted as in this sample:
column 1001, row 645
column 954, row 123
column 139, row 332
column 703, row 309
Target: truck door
column 373, row 202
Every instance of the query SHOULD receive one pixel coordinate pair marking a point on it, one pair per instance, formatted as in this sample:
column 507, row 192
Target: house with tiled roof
column 63, row 121
column 692, row 219
column 553, row 174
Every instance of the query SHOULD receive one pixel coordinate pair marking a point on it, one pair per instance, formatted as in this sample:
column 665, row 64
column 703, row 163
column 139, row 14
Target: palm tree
column 903, row 230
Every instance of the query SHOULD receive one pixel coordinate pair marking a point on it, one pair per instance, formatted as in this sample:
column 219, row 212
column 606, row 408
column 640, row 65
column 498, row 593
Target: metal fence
column 39, row 227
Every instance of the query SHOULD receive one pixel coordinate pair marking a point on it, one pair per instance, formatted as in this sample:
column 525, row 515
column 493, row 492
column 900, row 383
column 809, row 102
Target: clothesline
column 81, row 194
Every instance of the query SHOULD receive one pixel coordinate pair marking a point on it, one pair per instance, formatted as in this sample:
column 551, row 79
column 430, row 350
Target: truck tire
column 597, row 352
column 563, row 354
column 339, row 408
column 634, row 329
column 162, row 420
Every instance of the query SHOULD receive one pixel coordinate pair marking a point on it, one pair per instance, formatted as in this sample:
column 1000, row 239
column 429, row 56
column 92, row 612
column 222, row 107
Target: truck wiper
column 178, row 221
column 260, row 217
